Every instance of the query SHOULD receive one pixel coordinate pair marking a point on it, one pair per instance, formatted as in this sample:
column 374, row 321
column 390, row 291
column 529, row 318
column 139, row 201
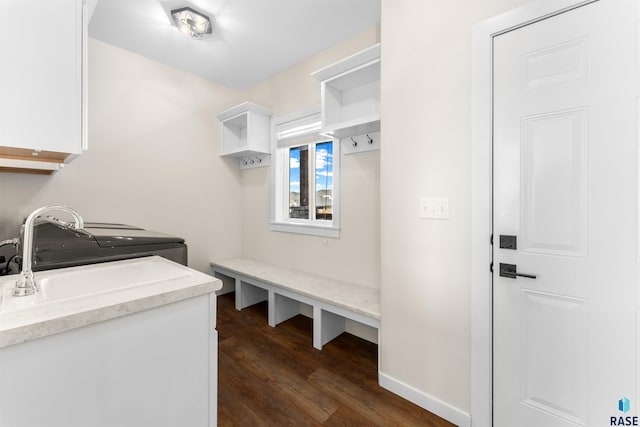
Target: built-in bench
column 284, row 289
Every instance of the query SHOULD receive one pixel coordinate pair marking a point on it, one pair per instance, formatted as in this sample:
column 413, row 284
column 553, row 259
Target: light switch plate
column 434, row 208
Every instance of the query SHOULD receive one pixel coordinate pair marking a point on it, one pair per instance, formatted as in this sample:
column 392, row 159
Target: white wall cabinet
column 350, row 94
column 42, row 82
column 246, row 134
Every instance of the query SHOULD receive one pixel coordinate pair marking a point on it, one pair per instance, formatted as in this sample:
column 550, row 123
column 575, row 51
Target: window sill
column 311, row 230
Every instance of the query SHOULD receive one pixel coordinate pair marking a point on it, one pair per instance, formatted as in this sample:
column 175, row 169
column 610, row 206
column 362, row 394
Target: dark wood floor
column 274, row 376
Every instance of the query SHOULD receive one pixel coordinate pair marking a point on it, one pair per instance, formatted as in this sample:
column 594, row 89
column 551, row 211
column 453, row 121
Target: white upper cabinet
column 246, row 133
column 42, row 79
column 350, row 94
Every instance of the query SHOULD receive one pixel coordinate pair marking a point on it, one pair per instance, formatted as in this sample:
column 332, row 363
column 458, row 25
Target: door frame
column 481, row 192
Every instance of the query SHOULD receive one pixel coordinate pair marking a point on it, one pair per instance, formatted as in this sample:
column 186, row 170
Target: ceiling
column 252, row 39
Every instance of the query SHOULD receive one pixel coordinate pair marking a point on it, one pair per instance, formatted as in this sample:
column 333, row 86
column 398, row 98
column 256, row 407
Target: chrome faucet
column 26, row 283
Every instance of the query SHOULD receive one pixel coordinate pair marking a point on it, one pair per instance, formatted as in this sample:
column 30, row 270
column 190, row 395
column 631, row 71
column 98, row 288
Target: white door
column 566, row 186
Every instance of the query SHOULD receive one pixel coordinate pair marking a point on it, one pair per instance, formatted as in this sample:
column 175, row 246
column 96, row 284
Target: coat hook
column 258, row 159
column 251, row 160
column 370, row 140
column 354, row 143
column 244, row 162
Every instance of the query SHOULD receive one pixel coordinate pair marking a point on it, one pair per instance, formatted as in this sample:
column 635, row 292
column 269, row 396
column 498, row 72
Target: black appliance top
column 57, row 246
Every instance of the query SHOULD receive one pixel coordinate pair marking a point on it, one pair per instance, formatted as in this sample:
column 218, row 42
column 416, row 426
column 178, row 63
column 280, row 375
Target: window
column 306, row 178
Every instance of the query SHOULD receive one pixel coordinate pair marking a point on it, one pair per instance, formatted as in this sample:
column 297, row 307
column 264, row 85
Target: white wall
column 355, row 256
column 152, row 159
column 425, row 264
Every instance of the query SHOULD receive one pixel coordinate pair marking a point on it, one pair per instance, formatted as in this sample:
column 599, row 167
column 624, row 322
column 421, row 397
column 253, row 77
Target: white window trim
column 279, row 180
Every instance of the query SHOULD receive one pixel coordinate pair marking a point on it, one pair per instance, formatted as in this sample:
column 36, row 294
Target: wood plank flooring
column 274, row 377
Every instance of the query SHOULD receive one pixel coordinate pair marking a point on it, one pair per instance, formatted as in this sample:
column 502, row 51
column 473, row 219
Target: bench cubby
column 288, row 291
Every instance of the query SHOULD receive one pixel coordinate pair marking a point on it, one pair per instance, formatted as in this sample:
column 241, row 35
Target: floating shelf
column 350, row 94
column 246, row 130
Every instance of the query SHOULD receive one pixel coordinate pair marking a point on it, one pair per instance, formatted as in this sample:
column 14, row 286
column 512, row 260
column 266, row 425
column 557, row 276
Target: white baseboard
column 430, row 403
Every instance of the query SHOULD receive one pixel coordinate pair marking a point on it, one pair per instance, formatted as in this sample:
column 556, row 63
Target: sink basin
column 78, row 282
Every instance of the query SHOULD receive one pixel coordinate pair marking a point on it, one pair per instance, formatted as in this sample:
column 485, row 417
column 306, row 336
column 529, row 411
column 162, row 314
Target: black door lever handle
column 509, row 271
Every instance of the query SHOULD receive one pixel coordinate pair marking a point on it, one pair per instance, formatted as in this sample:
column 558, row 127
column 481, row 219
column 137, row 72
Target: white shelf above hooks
column 350, row 94
column 245, row 134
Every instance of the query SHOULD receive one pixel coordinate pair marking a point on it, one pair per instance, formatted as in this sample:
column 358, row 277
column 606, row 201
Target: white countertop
column 43, row 319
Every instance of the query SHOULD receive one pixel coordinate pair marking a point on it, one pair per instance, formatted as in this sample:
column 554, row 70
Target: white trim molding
column 481, row 193
column 312, row 230
column 424, row 400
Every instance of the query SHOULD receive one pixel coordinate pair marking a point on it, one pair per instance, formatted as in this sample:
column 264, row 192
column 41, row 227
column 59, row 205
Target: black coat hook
column 354, row 142
column 370, row 140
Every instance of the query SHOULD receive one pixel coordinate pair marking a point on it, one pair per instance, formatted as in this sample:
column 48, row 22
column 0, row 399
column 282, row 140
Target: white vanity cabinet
column 42, row 82
column 155, row 368
column 122, row 343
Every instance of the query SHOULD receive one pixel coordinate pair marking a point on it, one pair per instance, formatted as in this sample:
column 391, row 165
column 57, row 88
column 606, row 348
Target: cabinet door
column 41, row 74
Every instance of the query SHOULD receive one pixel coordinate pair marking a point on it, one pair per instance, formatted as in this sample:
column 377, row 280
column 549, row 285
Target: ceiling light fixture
column 192, row 23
